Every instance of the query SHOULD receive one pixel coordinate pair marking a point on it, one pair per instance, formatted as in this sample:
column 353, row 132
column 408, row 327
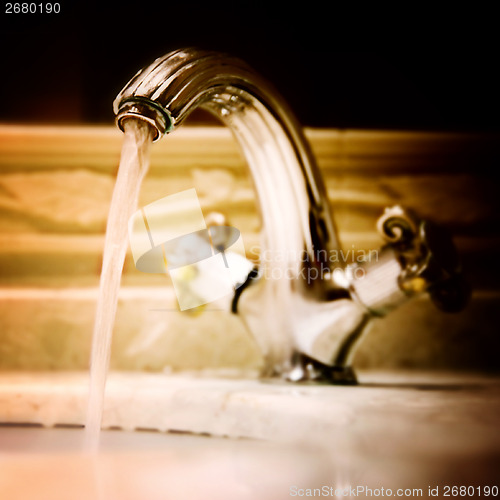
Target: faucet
column 306, row 310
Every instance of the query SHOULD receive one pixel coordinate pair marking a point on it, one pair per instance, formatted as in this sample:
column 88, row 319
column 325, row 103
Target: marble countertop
column 395, row 430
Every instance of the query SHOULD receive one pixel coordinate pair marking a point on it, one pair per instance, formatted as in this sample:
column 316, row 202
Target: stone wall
column 55, row 189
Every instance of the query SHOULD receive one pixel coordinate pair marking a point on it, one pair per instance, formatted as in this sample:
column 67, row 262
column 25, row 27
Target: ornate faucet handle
column 428, row 257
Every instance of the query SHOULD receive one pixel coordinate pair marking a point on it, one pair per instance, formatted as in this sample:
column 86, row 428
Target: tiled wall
column 55, row 188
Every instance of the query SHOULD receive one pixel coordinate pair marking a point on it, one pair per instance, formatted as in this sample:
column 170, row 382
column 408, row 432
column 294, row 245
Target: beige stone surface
column 55, row 189
column 53, row 330
column 43, row 330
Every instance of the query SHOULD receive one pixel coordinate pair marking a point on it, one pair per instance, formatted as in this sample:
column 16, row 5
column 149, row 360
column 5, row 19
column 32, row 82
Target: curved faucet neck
column 298, row 234
column 297, row 223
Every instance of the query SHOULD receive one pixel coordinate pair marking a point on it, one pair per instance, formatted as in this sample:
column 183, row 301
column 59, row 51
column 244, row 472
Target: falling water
column 134, row 164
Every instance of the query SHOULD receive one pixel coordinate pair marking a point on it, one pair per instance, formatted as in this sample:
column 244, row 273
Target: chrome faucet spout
column 304, row 326
column 282, row 165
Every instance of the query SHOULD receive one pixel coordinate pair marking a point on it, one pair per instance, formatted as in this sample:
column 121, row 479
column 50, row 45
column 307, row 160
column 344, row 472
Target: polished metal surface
column 300, row 303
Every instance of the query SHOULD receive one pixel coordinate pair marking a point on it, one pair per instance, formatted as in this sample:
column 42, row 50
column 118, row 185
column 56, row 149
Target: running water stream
column 133, row 167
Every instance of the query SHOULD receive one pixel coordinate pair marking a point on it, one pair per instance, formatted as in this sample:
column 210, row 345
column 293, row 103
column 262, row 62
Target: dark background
column 68, row 67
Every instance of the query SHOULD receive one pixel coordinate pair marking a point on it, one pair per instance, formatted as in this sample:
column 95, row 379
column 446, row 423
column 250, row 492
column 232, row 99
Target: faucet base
column 307, row 369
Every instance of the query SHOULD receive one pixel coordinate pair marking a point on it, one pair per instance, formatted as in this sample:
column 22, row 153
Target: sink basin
column 49, row 463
